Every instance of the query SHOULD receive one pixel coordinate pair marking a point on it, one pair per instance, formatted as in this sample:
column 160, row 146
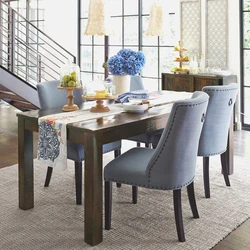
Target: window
column 245, row 60
column 130, row 21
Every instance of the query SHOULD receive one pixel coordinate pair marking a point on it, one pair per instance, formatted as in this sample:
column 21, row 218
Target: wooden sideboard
column 191, row 83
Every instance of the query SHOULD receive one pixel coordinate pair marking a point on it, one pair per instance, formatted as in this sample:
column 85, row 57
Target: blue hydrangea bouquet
column 127, row 61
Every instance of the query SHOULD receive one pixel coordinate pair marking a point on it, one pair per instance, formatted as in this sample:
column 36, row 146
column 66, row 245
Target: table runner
column 52, row 132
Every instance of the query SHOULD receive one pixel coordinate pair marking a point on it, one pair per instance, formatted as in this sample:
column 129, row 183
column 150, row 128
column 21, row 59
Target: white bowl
column 134, row 101
column 135, row 108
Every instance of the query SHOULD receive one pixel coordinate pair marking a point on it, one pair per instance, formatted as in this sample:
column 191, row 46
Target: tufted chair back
column 136, row 83
column 50, row 96
column 173, row 163
column 214, row 134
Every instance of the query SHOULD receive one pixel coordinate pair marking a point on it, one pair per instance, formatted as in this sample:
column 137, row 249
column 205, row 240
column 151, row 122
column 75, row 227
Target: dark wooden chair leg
column 206, row 176
column 108, row 204
column 178, row 215
column 224, row 169
column 117, row 153
column 192, row 201
column 148, row 145
column 48, row 176
column 134, row 194
column 138, row 144
column 78, row 182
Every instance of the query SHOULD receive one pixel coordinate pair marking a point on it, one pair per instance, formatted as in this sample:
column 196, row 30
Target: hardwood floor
column 237, row 240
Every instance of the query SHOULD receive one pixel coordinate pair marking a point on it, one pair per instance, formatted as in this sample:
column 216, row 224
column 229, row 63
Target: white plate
column 134, row 108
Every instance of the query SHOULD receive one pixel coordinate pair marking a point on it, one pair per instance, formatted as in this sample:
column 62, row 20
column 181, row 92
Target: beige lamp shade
column 99, row 22
column 156, row 20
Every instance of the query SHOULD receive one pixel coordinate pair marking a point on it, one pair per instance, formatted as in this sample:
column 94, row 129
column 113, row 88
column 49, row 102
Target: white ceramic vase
column 122, row 83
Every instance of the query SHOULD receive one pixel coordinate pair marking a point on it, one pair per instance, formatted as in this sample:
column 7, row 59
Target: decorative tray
column 95, row 98
column 66, row 88
column 99, row 108
column 181, row 60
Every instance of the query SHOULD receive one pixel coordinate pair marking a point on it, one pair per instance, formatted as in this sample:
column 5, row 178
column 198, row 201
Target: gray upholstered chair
column 146, row 138
column 214, row 134
column 49, row 97
column 171, row 166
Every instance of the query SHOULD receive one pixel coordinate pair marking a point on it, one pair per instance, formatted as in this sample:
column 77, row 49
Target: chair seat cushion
column 145, row 138
column 130, row 167
column 75, row 151
column 156, row 138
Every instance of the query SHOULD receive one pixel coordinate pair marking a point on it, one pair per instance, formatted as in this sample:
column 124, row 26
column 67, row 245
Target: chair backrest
column 173, row 163
column 135, row 82
column 50, row 96
column 219, row 112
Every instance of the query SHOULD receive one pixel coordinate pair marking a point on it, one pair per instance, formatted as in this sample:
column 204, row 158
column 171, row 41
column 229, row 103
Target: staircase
column 15, row 100
column 27, row 56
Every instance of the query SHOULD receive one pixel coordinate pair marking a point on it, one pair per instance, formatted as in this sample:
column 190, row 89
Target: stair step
column 24, row 106
column 15, row 100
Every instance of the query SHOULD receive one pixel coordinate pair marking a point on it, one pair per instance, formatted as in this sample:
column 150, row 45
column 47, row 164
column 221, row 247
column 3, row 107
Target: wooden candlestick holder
column 99, row 108
column 70, row 106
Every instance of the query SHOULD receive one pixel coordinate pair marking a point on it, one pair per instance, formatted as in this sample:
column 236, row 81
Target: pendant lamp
column 99, row 22
column 156, row 20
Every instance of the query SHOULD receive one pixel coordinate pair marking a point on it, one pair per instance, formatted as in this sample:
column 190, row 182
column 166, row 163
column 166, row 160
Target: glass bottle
column 202, row 64
column 195, row 65
column 191, row 64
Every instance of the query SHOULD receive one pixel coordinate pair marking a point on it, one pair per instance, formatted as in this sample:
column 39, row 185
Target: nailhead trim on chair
column 166, row 142
column 215, row 153
column 218, row 90
column 148, row 186
column 206, row 90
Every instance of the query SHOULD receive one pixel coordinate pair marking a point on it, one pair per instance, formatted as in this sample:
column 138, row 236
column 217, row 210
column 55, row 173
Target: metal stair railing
column 27, row 51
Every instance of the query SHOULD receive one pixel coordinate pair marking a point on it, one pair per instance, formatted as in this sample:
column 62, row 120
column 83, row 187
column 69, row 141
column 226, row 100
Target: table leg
column 25, row 166
column 228, row 155
column 93, row 191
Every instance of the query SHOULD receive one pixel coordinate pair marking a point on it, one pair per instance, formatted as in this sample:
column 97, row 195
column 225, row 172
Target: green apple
column 74, row 77
column 66, row 78
column 71, row 83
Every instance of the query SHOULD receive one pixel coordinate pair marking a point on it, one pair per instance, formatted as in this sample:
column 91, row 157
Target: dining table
column 93, row 133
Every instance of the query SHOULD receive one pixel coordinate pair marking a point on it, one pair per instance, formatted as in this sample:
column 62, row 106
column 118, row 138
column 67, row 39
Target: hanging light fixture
column 156, row 20
column 99, row 22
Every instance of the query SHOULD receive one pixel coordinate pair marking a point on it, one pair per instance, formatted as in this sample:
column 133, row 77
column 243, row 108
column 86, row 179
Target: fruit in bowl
column 176, row 47
column 102, row 93
column 71, row 83
column 179, row 69
column 70, row 80
column 70, row 76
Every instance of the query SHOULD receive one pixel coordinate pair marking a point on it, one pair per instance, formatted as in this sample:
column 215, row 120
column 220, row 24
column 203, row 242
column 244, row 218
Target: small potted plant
column 124, row 64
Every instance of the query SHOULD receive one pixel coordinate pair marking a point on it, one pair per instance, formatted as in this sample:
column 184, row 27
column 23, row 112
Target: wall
column 61, row 23
column 234, row 49
column 211, row 28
